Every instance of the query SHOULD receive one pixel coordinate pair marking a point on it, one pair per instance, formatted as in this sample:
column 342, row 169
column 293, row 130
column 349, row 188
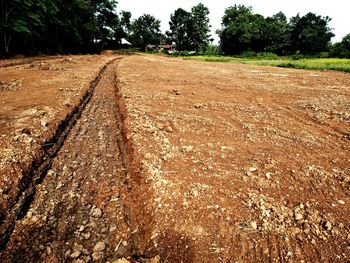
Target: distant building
column 124, row 42
column 166, row 48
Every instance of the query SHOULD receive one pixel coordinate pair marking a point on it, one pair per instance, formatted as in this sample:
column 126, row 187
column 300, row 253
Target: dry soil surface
column 146, row 158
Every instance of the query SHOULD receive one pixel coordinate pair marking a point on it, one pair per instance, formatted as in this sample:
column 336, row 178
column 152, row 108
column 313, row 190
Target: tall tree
column 190, row 30
column 106, row 20
column 17, row 18
column 341, row 49
column 310, row 34
column 242, row 30
column 57, row 25
column 123, row 30
column 277, row 34
column 180, row 26
column 200, row 26
column 145, row 31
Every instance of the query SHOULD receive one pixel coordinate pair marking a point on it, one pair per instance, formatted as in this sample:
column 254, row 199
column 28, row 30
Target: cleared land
column 166, row 160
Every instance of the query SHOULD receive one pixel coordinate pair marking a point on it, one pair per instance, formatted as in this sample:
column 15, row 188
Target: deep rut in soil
column 72, row 203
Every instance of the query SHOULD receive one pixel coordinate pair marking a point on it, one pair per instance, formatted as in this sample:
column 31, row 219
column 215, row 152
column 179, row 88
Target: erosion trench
column 79, row 200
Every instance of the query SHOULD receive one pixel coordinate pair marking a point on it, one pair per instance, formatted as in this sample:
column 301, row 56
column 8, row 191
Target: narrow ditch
column 39, row 168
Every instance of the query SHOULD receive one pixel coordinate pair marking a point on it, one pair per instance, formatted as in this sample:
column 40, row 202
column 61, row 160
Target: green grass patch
column 337, row 64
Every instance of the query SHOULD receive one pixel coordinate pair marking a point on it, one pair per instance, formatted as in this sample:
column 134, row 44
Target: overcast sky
column 338, row 10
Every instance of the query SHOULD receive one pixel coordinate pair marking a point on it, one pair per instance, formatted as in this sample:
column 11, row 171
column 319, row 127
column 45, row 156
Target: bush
column 286, row 65
column 211, row 50
column 259, row 55
column 267, row 55
column 297, row 56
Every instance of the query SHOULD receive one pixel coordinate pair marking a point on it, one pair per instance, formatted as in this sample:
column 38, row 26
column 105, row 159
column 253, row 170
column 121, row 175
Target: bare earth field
column 146, row 158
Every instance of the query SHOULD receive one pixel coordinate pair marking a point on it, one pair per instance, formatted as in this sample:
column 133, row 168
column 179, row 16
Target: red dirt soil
column 167, row 160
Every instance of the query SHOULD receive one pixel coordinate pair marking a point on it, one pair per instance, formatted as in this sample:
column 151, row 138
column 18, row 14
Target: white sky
column 338, row 10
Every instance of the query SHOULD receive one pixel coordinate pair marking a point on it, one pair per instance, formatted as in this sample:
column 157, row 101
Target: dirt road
column 166, row 160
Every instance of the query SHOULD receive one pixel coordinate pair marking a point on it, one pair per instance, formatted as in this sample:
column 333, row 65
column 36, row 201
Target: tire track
column 39, row 169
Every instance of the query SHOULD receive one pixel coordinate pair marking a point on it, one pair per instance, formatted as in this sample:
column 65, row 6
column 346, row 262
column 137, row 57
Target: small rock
column 75, row 254
column 43, row 123
column 253, row 225
column 86, row 235
column 169, row 129
column 67, row 253
column 187, row 149
column 97, row 256
column 112, row 228
column 306, row 228
column 341, row 202
column 194, row 192
column 327, row 225
column 253, row 169
column 96, row 212
column 59, row 185
column 160, row 126
column 148, row 156
column 100, row 246
column 298, row 216
column 121, row 260
column 156, row 259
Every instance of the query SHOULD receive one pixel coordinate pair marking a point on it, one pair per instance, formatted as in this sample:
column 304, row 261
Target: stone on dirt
column 121, row 260
column 100, row 246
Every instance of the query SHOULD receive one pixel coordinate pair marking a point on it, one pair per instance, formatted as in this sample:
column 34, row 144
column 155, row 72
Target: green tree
column 200, row 27
column 17, row 18
column 31, row 26
column 190, row 30
column 180, row 26
column 346, row 42
column 145, row 31
column 277, row 34
column 123, row 30
column 341, row 49
column 73, row 26
column 310, row 34
column 106, row 21
column 242, row 30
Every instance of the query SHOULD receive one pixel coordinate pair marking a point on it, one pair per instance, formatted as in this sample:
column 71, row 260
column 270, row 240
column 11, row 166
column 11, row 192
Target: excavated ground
column 245, row 163
column 151, row 159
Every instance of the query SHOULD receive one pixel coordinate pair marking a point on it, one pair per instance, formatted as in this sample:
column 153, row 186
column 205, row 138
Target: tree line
column 82, row 26
column 243, row 30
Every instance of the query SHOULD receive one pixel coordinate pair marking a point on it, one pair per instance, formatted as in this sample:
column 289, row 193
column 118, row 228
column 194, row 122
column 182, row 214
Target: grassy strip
column 319, row 64
column 336, row 64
